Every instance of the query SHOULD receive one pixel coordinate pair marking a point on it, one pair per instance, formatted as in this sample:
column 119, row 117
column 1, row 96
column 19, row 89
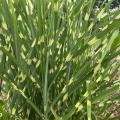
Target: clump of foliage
column 114, row 4
column 4, row 115
column 59, row 59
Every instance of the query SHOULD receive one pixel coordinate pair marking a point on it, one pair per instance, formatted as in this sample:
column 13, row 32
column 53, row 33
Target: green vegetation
column 59, row 60
column 114, row 4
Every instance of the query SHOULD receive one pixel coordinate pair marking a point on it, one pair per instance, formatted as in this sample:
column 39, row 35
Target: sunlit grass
column 59, row 59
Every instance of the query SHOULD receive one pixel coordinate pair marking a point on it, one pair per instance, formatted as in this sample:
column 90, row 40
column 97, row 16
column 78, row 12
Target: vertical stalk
column 46, row 86
column 88, row 100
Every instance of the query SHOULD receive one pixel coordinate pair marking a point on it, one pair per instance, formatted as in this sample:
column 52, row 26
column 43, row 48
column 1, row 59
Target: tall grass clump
column 59, row 60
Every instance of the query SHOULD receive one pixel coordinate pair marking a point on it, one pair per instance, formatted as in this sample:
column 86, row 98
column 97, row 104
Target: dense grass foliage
column 114, row 4
column 58, row 60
